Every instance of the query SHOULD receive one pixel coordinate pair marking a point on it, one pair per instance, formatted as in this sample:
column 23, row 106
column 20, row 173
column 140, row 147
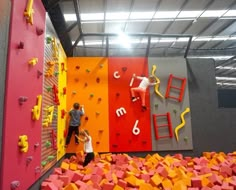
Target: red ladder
column 157, row 126
column 180, row 89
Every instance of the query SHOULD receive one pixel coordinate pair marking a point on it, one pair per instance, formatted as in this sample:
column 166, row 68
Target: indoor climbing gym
column 117, row 95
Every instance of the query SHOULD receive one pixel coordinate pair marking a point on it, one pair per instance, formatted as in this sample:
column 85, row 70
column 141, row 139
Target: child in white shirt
column 88, row 146
column 141, row 89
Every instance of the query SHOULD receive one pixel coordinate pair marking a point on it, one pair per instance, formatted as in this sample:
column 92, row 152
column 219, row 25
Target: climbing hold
column 56, row 73
column 49, row 88
column 39, row 31
column 33, row 61
column 50, row 158
column 157, row 82
column 15, row 185
column 22, row 99
column 48, row 144
column 87, row 70
column 23, row 143
column 37, row 169
column 97, row 80
column 124, row 68
column 49, row 40
column 77, row 67
column 44, row 163
column 21, row 45
column 39, row 74
column 182, row 123
column 186, row 139
column 29, row 159
column 175, row 111
column 36, row 145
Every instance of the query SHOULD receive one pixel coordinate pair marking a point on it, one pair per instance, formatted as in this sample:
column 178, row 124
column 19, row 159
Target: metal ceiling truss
column 147, row 35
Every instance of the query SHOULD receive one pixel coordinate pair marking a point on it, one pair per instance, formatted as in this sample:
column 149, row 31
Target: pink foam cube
column 53, row 176
column 196, row 182
column 122, row 183
column 77, row 176
column 87, row 177
column 162, row 171
column 65, row 179
column 57, row 171
column 120, row 174
column 81, row 184
column 145, row 177
column 96, row 178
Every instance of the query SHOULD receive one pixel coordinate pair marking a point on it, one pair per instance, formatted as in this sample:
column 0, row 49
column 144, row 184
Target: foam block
column 196, row 182
column 64, row 166
column 77, row 176
column 122, row 183
column 108, row 186
column 65, row 179
column 71, row 186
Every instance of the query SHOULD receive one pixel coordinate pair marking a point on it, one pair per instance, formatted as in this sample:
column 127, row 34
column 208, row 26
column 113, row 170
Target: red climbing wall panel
column 22, row 80
column 122, row 138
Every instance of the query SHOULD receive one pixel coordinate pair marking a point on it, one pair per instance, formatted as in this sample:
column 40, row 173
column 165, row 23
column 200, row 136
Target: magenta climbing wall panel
column 125, row 115
column 23, row 81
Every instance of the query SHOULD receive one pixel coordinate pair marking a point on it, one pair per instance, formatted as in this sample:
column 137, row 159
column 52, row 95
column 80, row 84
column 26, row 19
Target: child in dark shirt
column 74, row 123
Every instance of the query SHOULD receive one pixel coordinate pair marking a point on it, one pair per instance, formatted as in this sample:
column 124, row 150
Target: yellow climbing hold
column 158, row 82
column 182, row 124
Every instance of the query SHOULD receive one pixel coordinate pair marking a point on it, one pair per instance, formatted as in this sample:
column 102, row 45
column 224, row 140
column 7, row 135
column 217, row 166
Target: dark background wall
column 213, row 128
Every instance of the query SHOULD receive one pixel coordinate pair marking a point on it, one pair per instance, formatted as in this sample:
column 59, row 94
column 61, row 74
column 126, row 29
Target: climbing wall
column 61, row 115
column 50, row 103
column 21, row 141
column 129, row 126
column 171, row 114
column 87, row 80
column 165, row 125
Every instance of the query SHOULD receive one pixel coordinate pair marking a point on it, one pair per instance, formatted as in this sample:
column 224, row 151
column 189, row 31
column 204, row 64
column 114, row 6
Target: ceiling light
column 189, row 14
column 141, row 15
column 226, row 84
column 226, row 68
column 230, row 13
column 213, row 13
column 117, row 16
column 92, row 16
column 123, row 40
column 70, row 17
column 226, row 78
column 166, row 14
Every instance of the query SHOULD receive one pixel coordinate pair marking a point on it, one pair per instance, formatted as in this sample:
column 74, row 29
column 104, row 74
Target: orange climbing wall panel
column 121, row 127
column 87, row 80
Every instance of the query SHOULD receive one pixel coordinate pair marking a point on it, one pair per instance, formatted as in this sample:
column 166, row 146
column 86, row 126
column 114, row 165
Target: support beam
column 76, row 42
column 188, row 47
column 107, row 46
column 148, row 46
column 140, row 35
column 76, row 6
